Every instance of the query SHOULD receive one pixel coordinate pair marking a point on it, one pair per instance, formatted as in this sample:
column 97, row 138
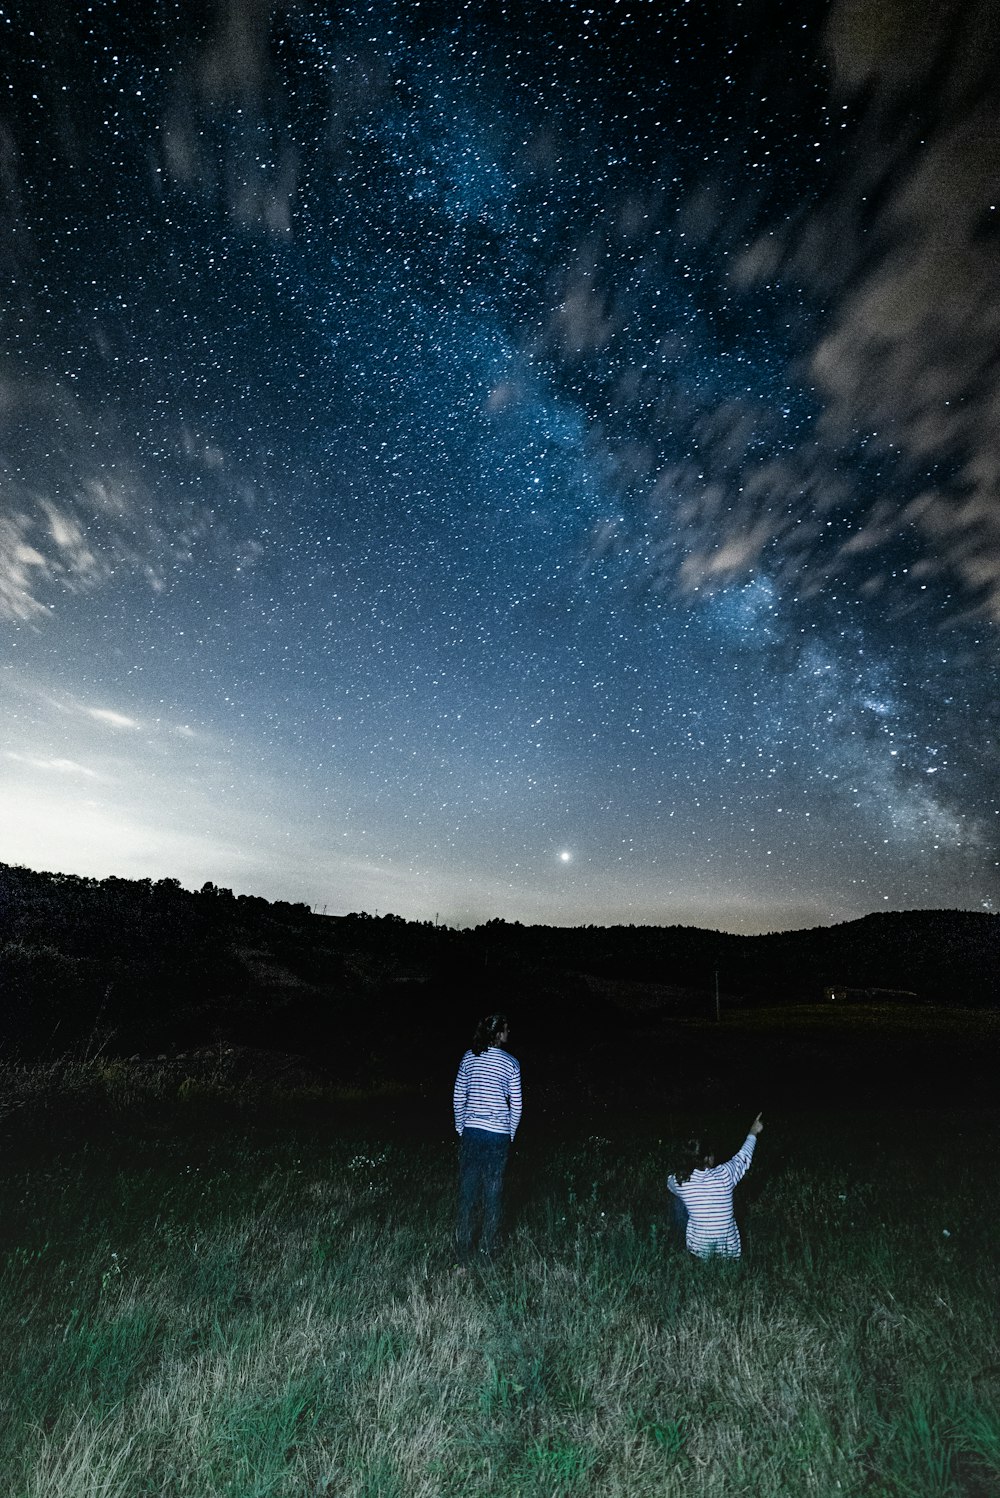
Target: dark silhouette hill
column 140, row 966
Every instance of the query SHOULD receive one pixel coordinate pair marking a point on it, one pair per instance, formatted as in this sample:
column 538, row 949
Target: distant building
column 839, row 993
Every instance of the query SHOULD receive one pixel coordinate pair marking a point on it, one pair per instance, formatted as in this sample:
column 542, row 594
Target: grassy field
column 207, row 1296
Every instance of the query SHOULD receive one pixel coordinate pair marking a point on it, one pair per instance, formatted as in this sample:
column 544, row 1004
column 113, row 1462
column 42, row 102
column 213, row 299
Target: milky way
column 535, row 460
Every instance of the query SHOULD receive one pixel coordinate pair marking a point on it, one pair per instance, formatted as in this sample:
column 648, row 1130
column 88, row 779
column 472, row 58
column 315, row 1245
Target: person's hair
column 489, row 1029
column 693, row 1155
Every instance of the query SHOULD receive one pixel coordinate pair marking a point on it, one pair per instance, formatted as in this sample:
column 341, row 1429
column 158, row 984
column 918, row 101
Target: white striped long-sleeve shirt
column 708, row 1196
column 488, row 1092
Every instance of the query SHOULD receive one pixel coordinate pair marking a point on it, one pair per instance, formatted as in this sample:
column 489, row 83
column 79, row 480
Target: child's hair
column 488, row 1032
column 693, row 1155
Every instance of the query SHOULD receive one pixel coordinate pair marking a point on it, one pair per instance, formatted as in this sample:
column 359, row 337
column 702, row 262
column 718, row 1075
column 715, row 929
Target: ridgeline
column 141, row 966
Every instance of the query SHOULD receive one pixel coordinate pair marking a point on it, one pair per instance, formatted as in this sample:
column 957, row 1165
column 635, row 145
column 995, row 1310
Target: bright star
column 565, row 856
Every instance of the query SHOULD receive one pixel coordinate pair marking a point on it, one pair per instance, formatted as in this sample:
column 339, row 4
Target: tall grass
column 244, row 1312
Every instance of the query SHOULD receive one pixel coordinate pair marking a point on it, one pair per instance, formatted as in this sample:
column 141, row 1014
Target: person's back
column 488, row 1091
column 706, row 1189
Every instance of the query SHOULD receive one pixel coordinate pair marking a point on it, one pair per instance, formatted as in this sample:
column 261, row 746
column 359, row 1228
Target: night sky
column 529, row 460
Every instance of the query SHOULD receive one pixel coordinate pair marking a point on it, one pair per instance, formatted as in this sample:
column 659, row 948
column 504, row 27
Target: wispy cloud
column 112, row 718
column 47, row 710
column 911, row 352
column 79, row 510
column 73, row 509
column 224, row 137
column 22, row 568
column 903, row 249
column 870, row 432
column 55, row 764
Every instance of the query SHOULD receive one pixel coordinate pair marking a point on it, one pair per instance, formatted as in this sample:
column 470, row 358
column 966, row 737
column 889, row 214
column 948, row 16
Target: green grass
column 252, row 1301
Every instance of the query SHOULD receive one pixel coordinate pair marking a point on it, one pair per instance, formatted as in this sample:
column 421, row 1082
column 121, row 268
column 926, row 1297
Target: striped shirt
column 708, row 1196
column 488, row 1092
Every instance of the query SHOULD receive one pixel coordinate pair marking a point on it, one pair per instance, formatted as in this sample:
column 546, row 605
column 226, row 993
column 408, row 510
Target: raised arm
column 738, row 1166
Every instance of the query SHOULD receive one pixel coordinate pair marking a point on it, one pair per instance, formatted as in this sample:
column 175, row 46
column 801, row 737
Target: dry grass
column 231, row 1315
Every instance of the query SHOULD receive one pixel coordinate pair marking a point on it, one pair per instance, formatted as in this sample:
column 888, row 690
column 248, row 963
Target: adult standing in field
column 706, row 1189
column 487, row 1112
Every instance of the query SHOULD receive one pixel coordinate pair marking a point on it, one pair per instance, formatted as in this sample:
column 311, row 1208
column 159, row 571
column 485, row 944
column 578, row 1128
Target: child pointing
column 706, row 1189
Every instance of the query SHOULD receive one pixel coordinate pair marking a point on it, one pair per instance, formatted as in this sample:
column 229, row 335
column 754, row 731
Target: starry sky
column 536, row 460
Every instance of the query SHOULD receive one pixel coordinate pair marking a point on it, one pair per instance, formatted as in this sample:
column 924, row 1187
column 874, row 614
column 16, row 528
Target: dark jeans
column 481, row 1161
